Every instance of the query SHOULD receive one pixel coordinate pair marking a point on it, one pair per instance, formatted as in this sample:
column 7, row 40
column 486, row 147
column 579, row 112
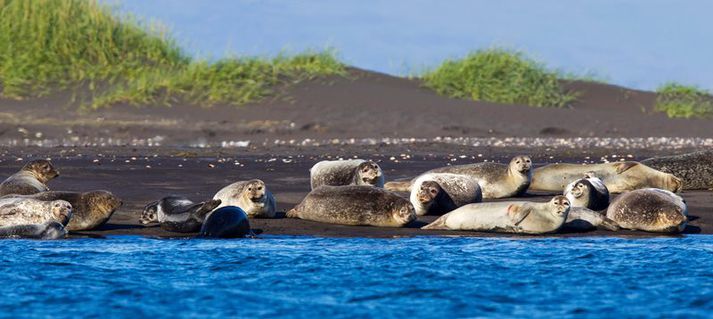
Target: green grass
column 678, row 100
column 501, row 76
column 82, row 45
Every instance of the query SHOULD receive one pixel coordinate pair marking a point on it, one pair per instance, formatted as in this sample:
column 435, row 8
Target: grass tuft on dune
column 501, row 76
column 83, row 45
column 684, row 101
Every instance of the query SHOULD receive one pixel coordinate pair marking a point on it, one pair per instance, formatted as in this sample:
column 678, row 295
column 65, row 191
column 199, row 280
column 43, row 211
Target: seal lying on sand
column 589, row 192
column 226, row 222
column 495, row 180
column 695, row 169
column 507, row 217
column 32, row 178
column 346, row 172
column 619, row 177
column 439, row 193
column 89, row 210
column 252, row 196
column 584, row 219
column 28, row 211
column 47, row 230
column 355, row 205
column 650, row 209
column 178, row 214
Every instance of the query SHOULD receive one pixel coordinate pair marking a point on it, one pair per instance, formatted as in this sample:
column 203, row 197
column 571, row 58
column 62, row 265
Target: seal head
column 43, row 170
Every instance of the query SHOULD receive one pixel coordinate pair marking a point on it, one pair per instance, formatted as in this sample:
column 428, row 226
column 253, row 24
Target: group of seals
column 346, row 172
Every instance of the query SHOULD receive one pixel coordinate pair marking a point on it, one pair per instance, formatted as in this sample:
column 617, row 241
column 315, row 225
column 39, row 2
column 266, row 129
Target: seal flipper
column 518, row 213
column 439, row 223
column 608, row 224
column 624, row 166
column 398, row 186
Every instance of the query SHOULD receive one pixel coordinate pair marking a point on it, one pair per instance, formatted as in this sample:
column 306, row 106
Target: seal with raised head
column 32, row 178
column 619, row 177
column 346, row 172
column 226, row 222
column 178, row 214
column 89, row 209
column 584, row 219
column 356, row 206
column 507, row 217
column 46, row 231
column 29, row 211
column 649, row 209
column 439, row 193
column 695, row 169
column 252, row 196
column 496, row 180
column 589, row 192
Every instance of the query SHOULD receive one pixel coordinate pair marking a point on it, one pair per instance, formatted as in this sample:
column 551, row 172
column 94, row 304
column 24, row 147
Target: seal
column 619, row 177
column 695, row 169
column 589, row 192
column 252, row 196
column 583, row 219
column 346, row 172
column 32, row 178
column 89, row 209
column 507, row 217
column 439, row 193
column 356, row 206
column 46, row 231
column 178, row 214
column 226, row 222
column 651, row 210
column 28, row 211
column 496, row 180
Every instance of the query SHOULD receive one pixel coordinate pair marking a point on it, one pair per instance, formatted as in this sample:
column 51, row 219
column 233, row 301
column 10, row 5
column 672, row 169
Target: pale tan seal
column 650, row 209
column 619, row 177
column 89, row 209
column 178, row 214
column 355, row 205
column 695, row 169
column 583, row 219
column 32, row 178
column 507, row 217
column 440, row 193
column 45, row 231
column 496, row 180
column 28, row 211
column 252, row 196
column 346, row 172
column 589, row 192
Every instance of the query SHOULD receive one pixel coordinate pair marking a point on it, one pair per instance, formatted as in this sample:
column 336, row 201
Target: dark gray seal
column 440, row 193
column 695, row 169
column 355, row 205
column 178, row 214
column 32, row 178
column 47, row 230
column 650, row 209
column 226, row 222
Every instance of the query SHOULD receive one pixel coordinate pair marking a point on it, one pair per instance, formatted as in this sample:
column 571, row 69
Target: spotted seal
column 507, row 217
column 226, row 222
column 46, row 231
column 354, row 205
column 252, row 196
column 346, row 172
column 28, row 211
column 695, row 169
column 439, row 193
column 589, row 192
column 649, row 209
column 178, row 214
column 32, row 178
column 619, row 177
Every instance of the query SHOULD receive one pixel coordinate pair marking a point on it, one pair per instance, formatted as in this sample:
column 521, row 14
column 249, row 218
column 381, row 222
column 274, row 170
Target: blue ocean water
column 136, row 277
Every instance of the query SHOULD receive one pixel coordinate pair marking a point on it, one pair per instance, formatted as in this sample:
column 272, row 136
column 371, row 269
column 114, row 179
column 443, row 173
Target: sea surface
column 137, row 277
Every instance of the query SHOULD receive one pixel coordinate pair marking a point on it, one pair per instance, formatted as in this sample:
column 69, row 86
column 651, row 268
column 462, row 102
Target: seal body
column 650, row 209
column 47, row 230
column 354, row 205
column 28, row 211
column 695, row 169
column 618, row 177
column 589, row 192
column 178, row 214
column 89, row 209
column 584, row 219
column 226, row 222
column 252, row 196
column 32, row 178
column 507, row 217
column 346, row 172
column 439, row 193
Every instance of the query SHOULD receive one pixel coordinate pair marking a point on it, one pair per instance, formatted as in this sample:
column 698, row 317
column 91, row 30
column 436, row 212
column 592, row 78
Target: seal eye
column 433, row 191
column 259, row 188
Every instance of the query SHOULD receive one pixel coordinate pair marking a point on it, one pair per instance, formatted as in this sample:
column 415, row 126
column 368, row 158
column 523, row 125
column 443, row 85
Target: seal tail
column 398, row 186
column 609, row 224
column 439, row 223
column 292, row 213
